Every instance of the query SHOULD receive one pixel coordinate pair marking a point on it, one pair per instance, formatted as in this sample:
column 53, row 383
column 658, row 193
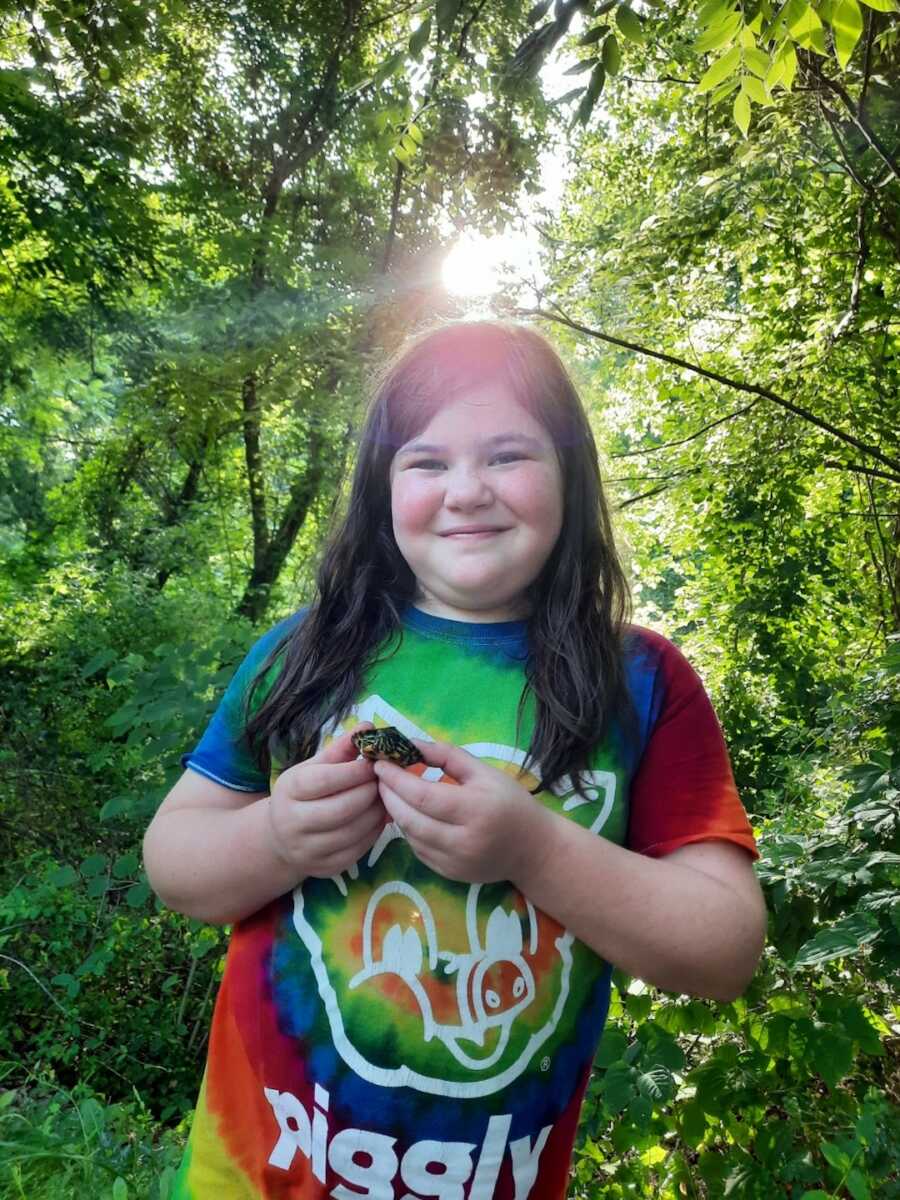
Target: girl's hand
column 325, row 813
column 484, row 830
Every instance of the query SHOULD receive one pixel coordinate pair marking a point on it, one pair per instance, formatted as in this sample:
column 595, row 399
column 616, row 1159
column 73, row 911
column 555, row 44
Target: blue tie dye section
column 220, row 754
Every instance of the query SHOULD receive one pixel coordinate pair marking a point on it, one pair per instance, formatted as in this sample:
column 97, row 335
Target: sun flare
column 477, row 266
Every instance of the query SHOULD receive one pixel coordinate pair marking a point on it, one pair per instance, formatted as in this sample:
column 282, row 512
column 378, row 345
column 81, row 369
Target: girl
column 419, row 973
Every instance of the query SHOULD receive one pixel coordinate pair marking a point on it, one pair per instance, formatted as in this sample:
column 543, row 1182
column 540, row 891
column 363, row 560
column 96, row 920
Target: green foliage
column 212, row 220
column 99, row 986
column 59, row 1143
column 788, row 1090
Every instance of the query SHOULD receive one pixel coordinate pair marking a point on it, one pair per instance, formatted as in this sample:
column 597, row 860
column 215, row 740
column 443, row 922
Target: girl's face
column 477, row 506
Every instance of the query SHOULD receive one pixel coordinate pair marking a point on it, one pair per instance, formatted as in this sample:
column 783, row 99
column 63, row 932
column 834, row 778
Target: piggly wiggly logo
column 472, row 979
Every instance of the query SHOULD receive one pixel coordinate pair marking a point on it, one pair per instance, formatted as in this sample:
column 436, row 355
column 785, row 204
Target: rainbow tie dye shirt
column 393, row 1034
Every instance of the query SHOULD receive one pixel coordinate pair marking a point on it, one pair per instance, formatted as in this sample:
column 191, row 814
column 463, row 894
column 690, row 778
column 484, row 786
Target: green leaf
column 755, row 91
column 882, row 5
column 757, row 61
column 63, row 877
column 125, row 865
column 847, row 936
column 741, row 112
column 612, row 55
column 724, row 90
column 92, row 866
column 419, row 39
column 586, row 64
column 805, row 27
column 693, row 1123
column 856, row 1185
column 847, row 26
column 67, row 981
column 100, row 660
column 167, row 1183
column 612, row 1047
column 97, row 886
column 592, row 36
column 630, row 24
column 120, row 1189
column 789, row 58
column 657, row 1084
column 594, row 88
column 93, row 1116
column 618, row 1086
column 567, row 97
column 720, row 33
column 137, row 896
column 640, row 1110
column 816, row 1194
column 719, row 69
column 838, row 1158
column 833, row 1058
column 115, row 807
column 713, row 11
column 389, row 67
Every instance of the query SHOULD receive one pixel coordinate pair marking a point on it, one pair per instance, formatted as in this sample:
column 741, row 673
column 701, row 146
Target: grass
column 56, row 1144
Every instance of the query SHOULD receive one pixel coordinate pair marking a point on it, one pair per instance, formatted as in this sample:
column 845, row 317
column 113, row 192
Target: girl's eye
column 508, row 456
column 426, row 464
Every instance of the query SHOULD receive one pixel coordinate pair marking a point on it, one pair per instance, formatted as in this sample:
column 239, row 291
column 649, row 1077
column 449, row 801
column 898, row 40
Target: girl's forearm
column 665, row 923
column 218, row 865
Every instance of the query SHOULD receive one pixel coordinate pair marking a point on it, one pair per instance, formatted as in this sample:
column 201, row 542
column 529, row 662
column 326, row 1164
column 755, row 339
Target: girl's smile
column 476, row 501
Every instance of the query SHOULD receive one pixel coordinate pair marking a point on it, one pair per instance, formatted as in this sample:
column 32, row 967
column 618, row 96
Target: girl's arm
column 219, row 855
column 209, row 852
column 692, row 922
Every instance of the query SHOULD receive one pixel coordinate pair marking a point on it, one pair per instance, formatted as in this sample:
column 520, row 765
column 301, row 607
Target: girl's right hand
column 325, row 813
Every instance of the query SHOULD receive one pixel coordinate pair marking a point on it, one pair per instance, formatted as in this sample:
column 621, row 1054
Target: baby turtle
column 388, row 743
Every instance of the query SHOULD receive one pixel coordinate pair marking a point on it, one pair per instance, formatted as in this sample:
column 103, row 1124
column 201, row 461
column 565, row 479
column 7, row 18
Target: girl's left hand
column 481, row 831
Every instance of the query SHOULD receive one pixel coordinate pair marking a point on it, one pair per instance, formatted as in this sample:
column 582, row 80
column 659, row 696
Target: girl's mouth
column 471, row 533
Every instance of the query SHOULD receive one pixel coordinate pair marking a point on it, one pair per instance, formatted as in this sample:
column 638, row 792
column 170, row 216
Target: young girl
column 419, row 973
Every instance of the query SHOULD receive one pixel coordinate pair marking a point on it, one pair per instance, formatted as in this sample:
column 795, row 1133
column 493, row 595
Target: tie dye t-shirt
column 390, row 1033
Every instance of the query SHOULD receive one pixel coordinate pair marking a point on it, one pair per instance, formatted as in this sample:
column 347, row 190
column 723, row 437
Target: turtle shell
column 387, row 743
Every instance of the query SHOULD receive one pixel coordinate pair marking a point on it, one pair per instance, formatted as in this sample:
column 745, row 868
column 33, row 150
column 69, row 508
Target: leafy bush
column 58, row 1144
column 792, row 1089
column 102, row 986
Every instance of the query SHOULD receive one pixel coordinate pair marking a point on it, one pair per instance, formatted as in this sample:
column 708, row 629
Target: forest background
column 215, row 222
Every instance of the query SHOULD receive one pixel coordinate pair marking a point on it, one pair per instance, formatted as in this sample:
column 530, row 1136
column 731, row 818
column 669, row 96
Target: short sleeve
column 683, row 789
column 221, row 754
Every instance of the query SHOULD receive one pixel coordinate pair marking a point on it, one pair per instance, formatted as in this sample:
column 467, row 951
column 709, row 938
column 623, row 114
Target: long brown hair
column 579, row 604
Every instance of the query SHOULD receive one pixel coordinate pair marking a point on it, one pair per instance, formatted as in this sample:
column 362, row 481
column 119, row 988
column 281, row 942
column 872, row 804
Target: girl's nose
column 466, row 487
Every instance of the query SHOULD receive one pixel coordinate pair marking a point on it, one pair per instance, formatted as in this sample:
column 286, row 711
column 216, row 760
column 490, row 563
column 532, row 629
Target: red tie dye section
column 683, row 790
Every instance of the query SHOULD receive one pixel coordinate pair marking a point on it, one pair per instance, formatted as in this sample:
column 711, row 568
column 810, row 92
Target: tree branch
column 461, row 47
column 855, row 288
column 856, row 116
column 751, row 388
column 830, row 462
column 643, row 496
column 392, row 227
column 255, row 477
column 738, row 412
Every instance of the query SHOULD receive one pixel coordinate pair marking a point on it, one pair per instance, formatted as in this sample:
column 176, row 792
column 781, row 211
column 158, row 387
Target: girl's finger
column 459, row 764
column 416, row 825
column 440, row 802
column 313, row 780
column 335, row 812
column 359, row 832
column 342, row 748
